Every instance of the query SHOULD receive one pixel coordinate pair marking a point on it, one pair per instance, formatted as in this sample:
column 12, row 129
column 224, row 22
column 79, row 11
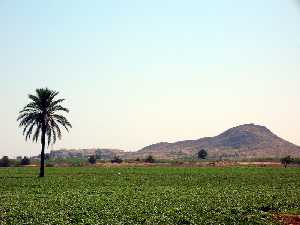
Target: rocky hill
column 245, row 141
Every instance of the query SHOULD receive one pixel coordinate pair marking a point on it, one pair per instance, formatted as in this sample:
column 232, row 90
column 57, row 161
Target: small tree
column 92, row 159
column 149, row 159
column 25, row 161
column 286, row 160
column 137, row 160
column 4, row 162
column 202, row 154
column 116, row 159
column 47, row 156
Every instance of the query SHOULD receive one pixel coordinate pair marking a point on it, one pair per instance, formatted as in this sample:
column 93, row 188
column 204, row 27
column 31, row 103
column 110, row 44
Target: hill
column 245, row 141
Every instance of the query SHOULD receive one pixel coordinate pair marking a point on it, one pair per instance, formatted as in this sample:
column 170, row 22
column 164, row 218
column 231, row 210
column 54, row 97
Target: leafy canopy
column 287, row 160
column 202, row 154
column 42, row 115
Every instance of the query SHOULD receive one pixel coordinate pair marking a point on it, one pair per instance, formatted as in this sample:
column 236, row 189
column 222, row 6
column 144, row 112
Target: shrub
column 286, row 160
column 116, row 159
column 5, row 162
column 92, row 159
column 47, row 156
column 25, row 161
column 202, row 154
column 149, row 159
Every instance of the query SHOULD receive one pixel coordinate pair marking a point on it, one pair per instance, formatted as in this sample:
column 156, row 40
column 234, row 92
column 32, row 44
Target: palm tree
column 41, row 119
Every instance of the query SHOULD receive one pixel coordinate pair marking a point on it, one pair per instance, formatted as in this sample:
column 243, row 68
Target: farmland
column 157, row 195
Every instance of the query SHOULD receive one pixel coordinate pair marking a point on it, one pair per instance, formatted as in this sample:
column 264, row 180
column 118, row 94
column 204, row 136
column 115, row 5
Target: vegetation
column 296, row 160
column 202, row 154
column 150, row 159
column 150, row 196
column 41, row 119
column 47, row 156
column 286, row 160
column 25, row 161
column 92, row 159
column 116, row 159
column 67, row 162
column 5, row 162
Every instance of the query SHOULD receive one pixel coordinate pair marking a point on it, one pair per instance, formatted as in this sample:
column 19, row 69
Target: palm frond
column 56, row 128
column 36, row 135
column 49, row 135
column 56, row 102
column 29, row 132
column 59, row 108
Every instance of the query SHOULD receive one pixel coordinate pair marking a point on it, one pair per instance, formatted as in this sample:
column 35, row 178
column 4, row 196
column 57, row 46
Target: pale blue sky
column 136, row 72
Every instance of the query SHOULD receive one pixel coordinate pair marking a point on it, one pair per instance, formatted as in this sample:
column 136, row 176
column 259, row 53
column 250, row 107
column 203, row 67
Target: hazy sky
column 137, row 72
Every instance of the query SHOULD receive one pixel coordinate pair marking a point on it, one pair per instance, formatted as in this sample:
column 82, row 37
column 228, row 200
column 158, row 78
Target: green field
column 166, row 196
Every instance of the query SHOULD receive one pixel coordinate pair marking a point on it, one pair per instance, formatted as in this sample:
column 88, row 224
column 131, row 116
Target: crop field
column 165, row 196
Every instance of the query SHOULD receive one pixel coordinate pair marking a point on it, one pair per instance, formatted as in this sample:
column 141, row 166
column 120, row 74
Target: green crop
column 165, row 196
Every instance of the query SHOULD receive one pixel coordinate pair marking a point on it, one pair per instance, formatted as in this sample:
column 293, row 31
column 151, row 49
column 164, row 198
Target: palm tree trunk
column 42, row 168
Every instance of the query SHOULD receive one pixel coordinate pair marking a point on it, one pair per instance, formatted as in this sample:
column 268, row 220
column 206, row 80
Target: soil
column 288, row 219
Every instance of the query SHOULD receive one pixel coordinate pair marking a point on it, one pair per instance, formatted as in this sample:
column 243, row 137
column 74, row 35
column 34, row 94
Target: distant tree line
column 6, row 162
column 117, row 159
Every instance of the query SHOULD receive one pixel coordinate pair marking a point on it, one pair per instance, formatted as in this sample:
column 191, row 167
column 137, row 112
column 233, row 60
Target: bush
column 116, row 159
column 47, row 156
column 25, row 161
column 4, row 162
column 92, row 160
column 202, row 154
column 286, row 160
column 149, row 159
